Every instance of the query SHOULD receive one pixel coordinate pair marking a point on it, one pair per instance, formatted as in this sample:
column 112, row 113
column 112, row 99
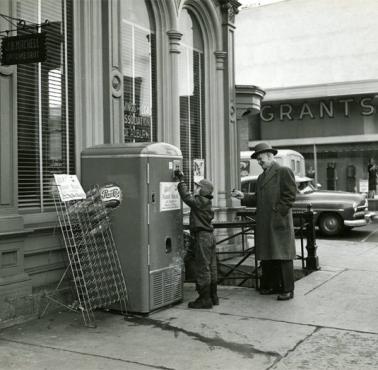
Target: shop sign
column 169, row 196
column 318, row 109
column 23, row 49
column 69, row 187
column 137, row 124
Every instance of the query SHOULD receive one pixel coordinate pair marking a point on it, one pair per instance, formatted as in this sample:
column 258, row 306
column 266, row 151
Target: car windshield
column 305, row 187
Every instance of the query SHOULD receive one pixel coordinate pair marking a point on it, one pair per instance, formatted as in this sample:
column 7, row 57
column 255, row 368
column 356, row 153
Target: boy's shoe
column 214, row 294
column 204, row 300
column 200, row 303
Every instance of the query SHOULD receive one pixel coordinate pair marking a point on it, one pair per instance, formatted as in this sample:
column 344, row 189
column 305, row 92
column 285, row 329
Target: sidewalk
column 330, row 324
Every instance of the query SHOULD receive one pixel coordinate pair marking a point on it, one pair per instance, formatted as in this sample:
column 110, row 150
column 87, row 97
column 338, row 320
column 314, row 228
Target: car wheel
column 330, row 224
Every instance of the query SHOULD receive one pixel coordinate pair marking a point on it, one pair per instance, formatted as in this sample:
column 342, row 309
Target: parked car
column 335, row 211
column 285, row 157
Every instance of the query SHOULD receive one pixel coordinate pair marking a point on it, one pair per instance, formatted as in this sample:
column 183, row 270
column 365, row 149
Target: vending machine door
column 165, row 234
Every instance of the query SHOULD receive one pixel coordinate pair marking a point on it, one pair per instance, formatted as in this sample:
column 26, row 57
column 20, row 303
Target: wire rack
column 93, row 259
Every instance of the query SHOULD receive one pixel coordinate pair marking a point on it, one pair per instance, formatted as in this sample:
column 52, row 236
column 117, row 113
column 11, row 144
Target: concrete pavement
column 330, row 324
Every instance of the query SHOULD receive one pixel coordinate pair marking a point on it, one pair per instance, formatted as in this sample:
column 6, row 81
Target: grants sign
column 318, row 109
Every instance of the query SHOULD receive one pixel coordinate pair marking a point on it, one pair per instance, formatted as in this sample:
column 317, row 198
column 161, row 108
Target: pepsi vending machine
column 147, row 226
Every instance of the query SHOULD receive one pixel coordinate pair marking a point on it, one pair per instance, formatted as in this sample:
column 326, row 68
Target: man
column 201, row 230
column 372, row 171
column 274, row 239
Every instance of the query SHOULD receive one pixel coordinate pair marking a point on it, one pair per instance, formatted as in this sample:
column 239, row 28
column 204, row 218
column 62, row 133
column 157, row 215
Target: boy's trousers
column 205, row 258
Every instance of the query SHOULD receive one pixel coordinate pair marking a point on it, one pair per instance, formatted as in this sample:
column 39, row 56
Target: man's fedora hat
column 262, row 148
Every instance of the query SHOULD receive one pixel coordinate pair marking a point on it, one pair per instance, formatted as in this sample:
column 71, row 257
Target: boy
column 201, row 229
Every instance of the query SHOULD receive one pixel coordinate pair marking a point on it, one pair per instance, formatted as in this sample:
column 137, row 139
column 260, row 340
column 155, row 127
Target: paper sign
column 198, row 169
column 169, row 196
column 364, row 186
column 69, row 187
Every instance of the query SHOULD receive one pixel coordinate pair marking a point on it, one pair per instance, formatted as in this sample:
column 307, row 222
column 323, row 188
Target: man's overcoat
column 275, row 195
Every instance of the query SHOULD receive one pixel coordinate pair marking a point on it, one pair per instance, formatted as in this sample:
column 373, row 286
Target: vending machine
column 147, row 226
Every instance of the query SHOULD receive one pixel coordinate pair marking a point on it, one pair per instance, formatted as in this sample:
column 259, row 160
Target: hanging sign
column 69, row 187
column 169, row 196
column 23, row 49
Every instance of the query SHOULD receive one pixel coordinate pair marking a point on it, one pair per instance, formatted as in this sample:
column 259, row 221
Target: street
column 330, row 324
column 368, row 233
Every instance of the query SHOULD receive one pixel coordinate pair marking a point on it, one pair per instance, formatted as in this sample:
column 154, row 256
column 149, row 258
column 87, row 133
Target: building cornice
column 249, row 89
column 248, row 99
column 319, row 140
column 229, row 9
column 321, row 90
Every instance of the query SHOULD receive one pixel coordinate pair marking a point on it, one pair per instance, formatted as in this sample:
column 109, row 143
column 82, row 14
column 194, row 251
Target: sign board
column 69, row 187
column 198, row 169
column 137, row 123
column 169, row 196
column 111, row 195
column 364, row 186
column 23, row 49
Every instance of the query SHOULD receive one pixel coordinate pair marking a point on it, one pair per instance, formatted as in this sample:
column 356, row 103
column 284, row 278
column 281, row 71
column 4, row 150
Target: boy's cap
column 207, row 187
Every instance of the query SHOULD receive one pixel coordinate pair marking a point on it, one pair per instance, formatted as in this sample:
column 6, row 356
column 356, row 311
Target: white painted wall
column 306, row 42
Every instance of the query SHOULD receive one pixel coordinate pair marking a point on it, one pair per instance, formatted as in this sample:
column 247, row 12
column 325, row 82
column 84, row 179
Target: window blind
column 139, row 69
column 192, row 104
column 45, row 106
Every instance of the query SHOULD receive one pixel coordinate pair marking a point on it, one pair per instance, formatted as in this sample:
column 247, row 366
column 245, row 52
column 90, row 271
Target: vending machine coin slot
column 168, row 245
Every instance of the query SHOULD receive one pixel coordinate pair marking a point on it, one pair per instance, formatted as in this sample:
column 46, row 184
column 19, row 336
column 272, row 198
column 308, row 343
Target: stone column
column 113, row 77
column 172, row 133
column 88, row 69
column 218, row 139
column 14, row 282
column 229, row 10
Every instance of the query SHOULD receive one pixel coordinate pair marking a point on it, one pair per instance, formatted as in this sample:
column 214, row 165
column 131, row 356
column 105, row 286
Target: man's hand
column 179, row 175
column 237, row 194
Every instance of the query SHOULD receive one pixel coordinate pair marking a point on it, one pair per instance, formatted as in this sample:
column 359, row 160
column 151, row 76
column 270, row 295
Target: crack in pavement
column 246, row 350
column 294, row 348
column 325, row 282
column 291, row 322
column 86, row 354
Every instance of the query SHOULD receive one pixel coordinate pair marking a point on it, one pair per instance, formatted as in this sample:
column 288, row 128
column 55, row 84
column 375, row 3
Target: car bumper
column 360, row 222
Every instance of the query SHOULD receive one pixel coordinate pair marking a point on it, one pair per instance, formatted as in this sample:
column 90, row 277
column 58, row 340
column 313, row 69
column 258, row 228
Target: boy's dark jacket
column 201, row 213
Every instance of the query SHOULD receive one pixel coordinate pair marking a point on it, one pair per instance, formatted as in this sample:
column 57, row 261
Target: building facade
column 115, row 71
column 317, row 68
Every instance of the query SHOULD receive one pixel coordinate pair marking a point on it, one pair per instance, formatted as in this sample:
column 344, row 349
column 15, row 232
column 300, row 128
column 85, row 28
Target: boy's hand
column 179, row 175
column 237, row 194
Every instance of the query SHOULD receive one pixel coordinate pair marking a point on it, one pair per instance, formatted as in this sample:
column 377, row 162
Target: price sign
column 69, row 187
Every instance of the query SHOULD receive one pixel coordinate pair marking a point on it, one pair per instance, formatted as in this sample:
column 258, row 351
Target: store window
column 139, row 72
column 339, row 166
column 192, row 97
column 45, row 106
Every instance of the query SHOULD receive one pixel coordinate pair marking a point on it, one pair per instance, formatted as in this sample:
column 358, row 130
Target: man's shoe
column 285, row 296
column 267, row 291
